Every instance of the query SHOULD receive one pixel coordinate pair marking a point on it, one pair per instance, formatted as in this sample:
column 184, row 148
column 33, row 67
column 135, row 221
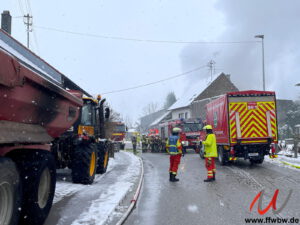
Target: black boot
column 173, row 178
column 170, row 176
column 209, row 180
column 214, row 176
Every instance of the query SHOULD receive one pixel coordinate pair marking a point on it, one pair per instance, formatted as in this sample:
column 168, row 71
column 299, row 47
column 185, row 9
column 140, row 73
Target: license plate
column 253, row 154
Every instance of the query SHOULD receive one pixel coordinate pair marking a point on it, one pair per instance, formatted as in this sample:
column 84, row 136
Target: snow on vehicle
column 37, row 106
column 245, row 125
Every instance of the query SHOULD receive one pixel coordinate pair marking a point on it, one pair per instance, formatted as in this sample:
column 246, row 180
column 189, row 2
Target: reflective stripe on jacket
column 210, row 146
column 174, row 145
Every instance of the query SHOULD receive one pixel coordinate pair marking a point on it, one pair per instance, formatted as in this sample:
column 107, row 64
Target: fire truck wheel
column 38, row 175
column 84, row 164
column 257, row 161
column 122, row 146
column 10, row 192
column 222, row 156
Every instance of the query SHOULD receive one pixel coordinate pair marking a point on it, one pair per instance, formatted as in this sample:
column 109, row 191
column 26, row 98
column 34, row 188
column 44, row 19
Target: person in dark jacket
column 174, row 148
column 134, row 142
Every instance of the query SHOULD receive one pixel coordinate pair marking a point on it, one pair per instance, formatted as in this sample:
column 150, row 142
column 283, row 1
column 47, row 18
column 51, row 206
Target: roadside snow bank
column 67, row 188
column 106, row 203
column 283, row 161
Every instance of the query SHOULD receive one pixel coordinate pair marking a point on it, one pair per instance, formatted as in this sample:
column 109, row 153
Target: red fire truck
column 245, row 125
column 118, row 135
column 191, row 132
column 153, row 132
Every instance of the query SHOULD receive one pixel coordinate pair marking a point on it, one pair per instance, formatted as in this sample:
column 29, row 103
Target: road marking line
column 289, row 164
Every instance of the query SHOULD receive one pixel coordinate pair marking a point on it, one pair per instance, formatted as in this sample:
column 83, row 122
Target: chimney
column 6, row 21
column 228, row 76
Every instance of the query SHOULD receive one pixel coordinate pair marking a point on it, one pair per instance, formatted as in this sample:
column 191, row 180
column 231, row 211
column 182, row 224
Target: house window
column 181, row 115
column 186, row 115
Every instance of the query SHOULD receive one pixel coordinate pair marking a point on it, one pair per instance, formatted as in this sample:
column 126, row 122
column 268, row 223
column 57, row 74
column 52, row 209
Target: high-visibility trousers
column 174, row 163
column 210, row 166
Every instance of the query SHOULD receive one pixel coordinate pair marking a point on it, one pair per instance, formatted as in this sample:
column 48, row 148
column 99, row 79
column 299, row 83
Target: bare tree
column 150, row 108
column 170, row 100
column 128, row 121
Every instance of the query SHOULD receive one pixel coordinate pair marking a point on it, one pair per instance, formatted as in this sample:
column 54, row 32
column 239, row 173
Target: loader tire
column 38, row 175
column 84, row 164
column 222, row 156
column 10, row 192
column 102, row 162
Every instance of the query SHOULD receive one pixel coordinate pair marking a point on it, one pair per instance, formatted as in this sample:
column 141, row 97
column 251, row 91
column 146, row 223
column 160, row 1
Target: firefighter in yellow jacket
column 174, row 148
column 210, row 153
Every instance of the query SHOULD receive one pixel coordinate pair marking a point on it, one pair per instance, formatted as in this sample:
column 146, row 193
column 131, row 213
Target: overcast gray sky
column 101, row 65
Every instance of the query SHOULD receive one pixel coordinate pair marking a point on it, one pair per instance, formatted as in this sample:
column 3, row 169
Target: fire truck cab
column 191, row 132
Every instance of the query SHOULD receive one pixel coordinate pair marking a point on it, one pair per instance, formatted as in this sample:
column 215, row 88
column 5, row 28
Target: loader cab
column 87, row 123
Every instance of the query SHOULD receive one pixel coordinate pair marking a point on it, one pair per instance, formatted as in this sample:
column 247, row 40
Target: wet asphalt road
column 226, row 201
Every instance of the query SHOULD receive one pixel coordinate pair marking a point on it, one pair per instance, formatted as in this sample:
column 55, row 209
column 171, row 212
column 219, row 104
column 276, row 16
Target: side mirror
column 107, row 113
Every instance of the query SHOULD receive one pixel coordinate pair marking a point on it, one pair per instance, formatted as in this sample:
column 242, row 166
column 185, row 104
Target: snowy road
column 92, row 204
column 227, row 201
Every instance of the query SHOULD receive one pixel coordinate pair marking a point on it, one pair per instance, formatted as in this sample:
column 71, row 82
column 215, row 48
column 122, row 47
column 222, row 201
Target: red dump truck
column 38, row 107
column 245, row 125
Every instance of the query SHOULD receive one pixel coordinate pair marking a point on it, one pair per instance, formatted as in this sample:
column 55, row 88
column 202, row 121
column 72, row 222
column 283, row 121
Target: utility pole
column 211, row 65
column 28, row 23
column 261, row 36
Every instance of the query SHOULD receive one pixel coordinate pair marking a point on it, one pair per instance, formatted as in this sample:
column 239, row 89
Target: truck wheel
column 260, row 161
column 38, row 174
column 257, row 161
column 10, row 192
column 222, row 156
column 122, row 146
column 84, row 164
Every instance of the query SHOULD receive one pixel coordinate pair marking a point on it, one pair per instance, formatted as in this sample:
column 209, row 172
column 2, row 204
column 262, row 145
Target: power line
column 21, row 7
column 36, row 42
column 28, row 6
column 156, row 82
column 142, row 40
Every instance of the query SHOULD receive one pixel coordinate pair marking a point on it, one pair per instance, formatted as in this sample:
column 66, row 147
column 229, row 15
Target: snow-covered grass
column 108, row 201
column 285, row 159
column 67, row 188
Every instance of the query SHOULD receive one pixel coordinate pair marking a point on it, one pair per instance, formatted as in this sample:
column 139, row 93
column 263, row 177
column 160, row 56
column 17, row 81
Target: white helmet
column 176, row 130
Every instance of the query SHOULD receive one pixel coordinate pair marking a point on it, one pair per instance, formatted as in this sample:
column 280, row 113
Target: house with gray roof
column 191, row 104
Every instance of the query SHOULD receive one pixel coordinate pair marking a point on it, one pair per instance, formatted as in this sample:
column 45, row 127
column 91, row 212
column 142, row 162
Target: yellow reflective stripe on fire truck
column 254, row 121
